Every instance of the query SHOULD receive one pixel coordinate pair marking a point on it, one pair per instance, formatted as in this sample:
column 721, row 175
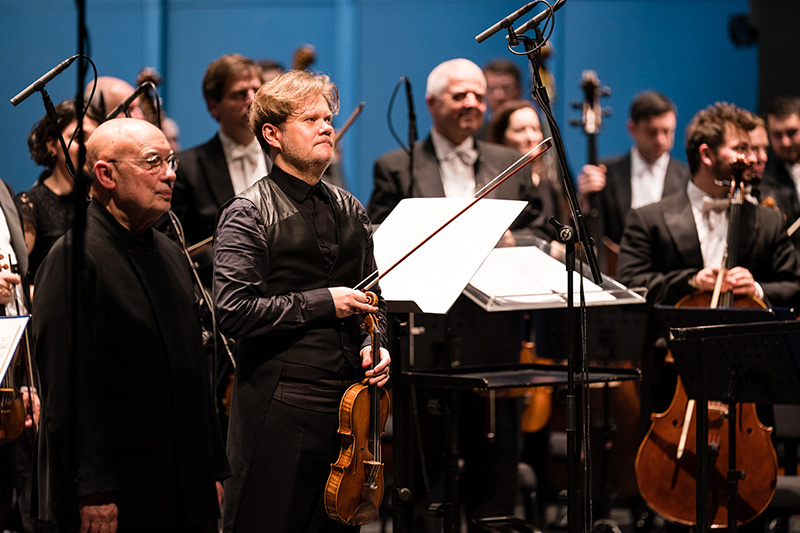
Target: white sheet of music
column 527, row 274
column 11, row 329
column 434, row 275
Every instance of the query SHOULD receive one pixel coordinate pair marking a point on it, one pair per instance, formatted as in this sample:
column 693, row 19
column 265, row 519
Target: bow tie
column 245, row 152
column 714, row 204
column 467, row 155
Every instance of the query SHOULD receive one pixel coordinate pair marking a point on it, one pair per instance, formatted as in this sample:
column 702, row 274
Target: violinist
column 16, row 454
column 286, row 251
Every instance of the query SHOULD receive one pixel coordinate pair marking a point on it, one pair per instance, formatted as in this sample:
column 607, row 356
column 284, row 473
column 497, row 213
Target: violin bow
column 371, row 280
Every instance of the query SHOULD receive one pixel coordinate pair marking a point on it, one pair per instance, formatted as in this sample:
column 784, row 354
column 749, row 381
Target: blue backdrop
column 679, row 47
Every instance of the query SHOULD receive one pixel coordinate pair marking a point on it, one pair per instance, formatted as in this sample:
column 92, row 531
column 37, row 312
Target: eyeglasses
column 154, row 163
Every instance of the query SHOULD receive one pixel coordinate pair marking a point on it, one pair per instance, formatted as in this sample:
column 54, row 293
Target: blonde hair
column 280, row 98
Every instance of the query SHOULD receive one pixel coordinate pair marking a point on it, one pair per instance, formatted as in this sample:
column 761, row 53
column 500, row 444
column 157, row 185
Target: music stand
column 752, row 361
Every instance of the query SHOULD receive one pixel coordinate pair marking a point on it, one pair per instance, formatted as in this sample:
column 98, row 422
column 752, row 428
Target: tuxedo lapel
column 427, row 177
column 674, row 180
column 215, row 172
column 680, row 225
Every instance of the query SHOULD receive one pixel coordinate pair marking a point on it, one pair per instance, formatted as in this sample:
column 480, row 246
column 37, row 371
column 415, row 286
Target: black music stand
column 752, row 361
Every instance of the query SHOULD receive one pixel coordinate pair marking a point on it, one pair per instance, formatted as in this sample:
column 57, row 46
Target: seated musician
column 675, row 247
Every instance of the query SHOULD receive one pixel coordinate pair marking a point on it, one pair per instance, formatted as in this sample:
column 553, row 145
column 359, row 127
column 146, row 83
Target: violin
column 12, row 407
column 666, row 464
column 354, row 490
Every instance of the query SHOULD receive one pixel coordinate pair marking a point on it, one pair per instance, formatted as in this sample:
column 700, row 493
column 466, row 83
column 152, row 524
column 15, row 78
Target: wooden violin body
column 12, row 413
column 354, row 490
column 355, row 486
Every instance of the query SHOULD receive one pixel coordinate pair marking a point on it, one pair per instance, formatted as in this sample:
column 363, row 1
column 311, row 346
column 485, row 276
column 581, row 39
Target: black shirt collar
column 296, row 188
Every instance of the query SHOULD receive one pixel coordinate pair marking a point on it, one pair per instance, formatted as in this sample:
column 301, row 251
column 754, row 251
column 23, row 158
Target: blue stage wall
column 680, row 48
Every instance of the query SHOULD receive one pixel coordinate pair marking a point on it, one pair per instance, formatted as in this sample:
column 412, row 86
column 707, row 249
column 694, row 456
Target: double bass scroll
column 591, row 122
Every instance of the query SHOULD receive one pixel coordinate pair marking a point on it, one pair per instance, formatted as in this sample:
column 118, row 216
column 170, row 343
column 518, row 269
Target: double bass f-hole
column 354, row 491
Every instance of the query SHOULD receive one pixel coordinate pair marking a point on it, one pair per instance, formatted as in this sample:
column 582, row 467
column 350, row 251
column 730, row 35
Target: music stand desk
column 497, row 377
column 765, row 354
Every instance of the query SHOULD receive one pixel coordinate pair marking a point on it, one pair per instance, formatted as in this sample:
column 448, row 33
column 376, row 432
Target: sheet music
column 11, row 329
column 434, row 275
column 529, row 275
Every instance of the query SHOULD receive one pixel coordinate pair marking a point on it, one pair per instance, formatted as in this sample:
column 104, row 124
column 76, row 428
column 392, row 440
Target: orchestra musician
column 16, row 455
column 286, row 251
column 644, row 175
column 675, row 247
column 232, row 160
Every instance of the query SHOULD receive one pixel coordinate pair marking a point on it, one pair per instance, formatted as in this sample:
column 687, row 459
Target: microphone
column 506, row 22
column 536, row 20
column 412, row 117
column 39, row 84
column 127, row 102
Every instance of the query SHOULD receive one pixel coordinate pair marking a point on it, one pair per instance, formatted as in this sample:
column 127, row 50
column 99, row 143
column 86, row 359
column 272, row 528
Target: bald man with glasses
column 130, row 441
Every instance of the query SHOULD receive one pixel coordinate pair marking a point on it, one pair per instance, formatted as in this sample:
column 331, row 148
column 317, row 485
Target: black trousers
column 285, row 488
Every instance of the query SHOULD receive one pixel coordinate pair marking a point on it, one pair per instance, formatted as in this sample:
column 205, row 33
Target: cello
column 354, row 490
column 666, row 464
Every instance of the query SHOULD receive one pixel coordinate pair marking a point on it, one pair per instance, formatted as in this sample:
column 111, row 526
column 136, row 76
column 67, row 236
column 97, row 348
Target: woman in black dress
column 46, row 209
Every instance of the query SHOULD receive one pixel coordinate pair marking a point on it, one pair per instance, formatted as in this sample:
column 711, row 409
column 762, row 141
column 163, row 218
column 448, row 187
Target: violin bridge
column 372, row 469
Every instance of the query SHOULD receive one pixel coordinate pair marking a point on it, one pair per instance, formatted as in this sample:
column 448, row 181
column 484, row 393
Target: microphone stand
column 569, row 235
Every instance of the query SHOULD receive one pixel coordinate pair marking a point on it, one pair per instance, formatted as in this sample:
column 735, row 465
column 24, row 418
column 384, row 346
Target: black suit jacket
column 779, row 184
column 660, row 250
column 615, row 199
column 203, row 185
column 391, row 175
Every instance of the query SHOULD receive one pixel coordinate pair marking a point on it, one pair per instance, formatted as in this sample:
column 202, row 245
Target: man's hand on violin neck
column 349, row 302
column 380, row 374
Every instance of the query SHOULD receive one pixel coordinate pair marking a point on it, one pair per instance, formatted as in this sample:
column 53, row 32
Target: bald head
column 112, row 92
column 133, row 177
column 120, row 139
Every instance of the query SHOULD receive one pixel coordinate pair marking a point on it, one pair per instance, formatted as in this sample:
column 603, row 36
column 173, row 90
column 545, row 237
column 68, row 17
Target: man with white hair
column 451, row 162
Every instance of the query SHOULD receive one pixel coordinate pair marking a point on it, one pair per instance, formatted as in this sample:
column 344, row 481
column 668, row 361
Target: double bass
column 354, row 490
column 591, row 122
column 666, row 464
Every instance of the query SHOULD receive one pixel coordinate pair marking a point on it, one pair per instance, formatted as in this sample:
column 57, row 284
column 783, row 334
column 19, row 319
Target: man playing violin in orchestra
column 286, row 252
column 675, row 247
column 128, row 439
